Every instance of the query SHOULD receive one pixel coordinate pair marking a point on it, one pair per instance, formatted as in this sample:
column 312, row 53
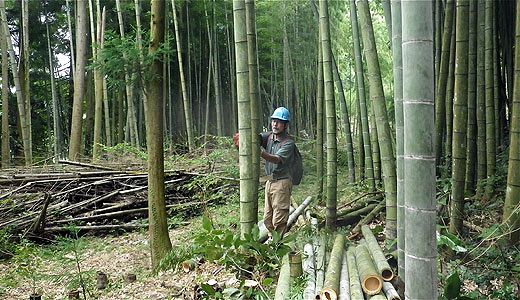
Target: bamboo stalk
column 368, row 275
column 283, row 285
column 331, row 284
column 295, row 263
column 321, row 245
column 352, row 217
column 368, row 217
column 356, row 291
column 344, row 287
column 359, row 205
column 379, row 258
column 390, row 292
column 96, row 228
column 309, row 267
column 75, row 163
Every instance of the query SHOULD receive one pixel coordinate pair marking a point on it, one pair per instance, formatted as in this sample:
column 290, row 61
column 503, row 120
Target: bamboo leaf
column 206, row 223
column 452, row 288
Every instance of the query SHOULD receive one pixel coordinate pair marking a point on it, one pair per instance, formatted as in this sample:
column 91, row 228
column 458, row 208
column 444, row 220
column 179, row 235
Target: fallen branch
column 75, row 163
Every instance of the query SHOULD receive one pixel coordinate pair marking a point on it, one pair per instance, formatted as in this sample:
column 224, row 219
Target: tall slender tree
column 490, row 105
column 460, row 116
column 56, row 125
column 247, row 206
column 6, row 155
column 25, row 78
column 471, row 139
column 256, row 109
column 330, row 111
column 481, row 98
column 160, row 243
column 397, row 56
column 511, row 215
column 186, row 100
column 367, row 147
column 381, row 115
column 419, row 152
column 79, row 80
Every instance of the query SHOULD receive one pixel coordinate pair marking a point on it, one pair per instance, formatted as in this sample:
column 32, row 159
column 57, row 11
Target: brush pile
column 47, row 201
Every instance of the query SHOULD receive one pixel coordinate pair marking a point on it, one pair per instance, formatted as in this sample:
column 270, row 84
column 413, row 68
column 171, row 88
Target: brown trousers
column 277, row 203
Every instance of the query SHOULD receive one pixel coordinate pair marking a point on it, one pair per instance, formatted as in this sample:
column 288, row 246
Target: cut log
column 295, row 262
column 39, row 223
column 96, row 228
column 356, row 291
column 379, row 258
column 369, row 277
column 309, row 267
column 283, row 286
column 344, row 287
column 390, row 291
column 75, row 163
column 354, row 216
column 320, row 243
column 330, row 288
column 359, row 205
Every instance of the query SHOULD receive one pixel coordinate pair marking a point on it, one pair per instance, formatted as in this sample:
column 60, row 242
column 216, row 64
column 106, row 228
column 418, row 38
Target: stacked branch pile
column 48, row 202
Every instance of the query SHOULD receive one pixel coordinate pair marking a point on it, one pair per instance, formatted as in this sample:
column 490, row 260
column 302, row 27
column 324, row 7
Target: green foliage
column 7, row 247
column 123, row 151
column 450, row 241
column 452, row 289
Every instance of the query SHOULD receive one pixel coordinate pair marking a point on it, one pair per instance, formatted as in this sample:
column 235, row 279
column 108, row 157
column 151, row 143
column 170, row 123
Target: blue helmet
column 281, row 113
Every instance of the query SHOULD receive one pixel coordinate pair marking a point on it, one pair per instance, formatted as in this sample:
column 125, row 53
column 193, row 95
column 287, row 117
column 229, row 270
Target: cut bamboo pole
column 390, row 291
column 283, row 285
column 295, row 261
column 380, row 262
column 309, row 267
column 321, row 245
column 368, row 275
column 379, row 296
column 356, row 291
column 369, row 217
column 298, row 211
column 344, row 288
column 330, row 288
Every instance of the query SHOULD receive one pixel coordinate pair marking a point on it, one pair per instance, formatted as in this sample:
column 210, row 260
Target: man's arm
column 272, row 158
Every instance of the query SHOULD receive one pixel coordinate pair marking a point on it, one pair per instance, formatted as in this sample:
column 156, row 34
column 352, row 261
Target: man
column 278, row 156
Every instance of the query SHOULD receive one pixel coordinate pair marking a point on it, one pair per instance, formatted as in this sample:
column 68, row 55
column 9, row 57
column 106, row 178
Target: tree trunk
column 383, row 128
column 26, row 83
column 481, row 99
column 16, row 77
column 256, row 109
column 247, row 205
column 57, row 139
column 139, row 42
column 6, row 151
column 367, row 147
column 346, row 123
column 511, row 217
column 71, row 43
column 397, row 56
column 185, row 98
column 98, row 88
column 490, row 100
column 330, row 112
column 460, row 113
column 319, row 121
column 419, row 152
column 160, row 243
column 131, row 117
column 79, row 81
column 440, row 102
column 471, row 155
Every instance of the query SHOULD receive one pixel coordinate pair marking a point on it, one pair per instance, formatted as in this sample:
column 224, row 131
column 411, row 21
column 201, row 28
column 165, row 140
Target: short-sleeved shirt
column 282, row 146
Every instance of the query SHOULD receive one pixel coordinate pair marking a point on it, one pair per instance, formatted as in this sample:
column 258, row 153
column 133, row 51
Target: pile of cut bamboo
column 358, row 272
column 46, row 203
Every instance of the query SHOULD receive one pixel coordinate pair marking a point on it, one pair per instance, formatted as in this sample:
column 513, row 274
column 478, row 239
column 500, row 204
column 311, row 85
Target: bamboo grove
column 409, row 96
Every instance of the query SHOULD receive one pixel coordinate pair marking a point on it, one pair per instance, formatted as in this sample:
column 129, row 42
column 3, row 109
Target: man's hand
column 236, row 139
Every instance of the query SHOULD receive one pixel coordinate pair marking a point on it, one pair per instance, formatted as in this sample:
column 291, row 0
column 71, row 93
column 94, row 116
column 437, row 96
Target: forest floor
column 478, row 266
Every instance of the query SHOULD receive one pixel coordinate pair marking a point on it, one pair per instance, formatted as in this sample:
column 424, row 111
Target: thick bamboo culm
column 309, row 267
column 283, row 286
column 355, row 286
column 378, row 256
column 330, row 289
column 369, row 277
column 344, row 287
column 321, row 245
column 390, row 292
column 295, row 263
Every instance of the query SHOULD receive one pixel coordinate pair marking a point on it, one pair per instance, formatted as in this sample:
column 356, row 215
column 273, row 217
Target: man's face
column 277, row 126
